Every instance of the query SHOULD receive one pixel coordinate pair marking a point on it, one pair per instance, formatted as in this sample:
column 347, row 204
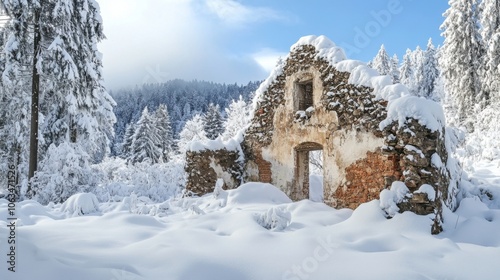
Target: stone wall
column 422, row 157
column 343, row 120
column 360, row 159
column 205, row 167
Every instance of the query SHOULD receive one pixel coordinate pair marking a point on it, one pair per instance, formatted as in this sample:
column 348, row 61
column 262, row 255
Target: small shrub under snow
column 275, row 218
column 81, row 204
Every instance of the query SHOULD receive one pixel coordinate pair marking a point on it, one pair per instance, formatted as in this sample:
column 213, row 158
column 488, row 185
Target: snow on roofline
column 401, row 104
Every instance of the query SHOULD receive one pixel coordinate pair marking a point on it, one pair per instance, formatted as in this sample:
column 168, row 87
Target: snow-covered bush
column 64, row 172
column 81, row 204
column 158, row 182
column 275, row 218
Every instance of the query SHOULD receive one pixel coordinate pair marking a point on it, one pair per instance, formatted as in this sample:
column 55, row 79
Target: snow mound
column 427, row 112
column 348, row 65
column 81, row 204
column 275, row 218
column 257, row 193
column 325, row 47
column 472, row 207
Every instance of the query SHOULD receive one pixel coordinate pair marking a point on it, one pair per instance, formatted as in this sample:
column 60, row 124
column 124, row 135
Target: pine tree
column 490, row 32
column 382, row 62
column 238, row 117
column 213, row 122
column 128, row 141
column 161, row 122
column 406, row 71
column 193, row 130
column 146, row 140
column 418, row 73
column 461, row 59
column 52, row 45
column 430, row 72
column 395, row 69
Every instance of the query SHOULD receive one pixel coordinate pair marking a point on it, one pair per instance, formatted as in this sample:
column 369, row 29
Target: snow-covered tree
column 490, row 32
column 237, row 118
column 15, row 88
column 213, row 121
column 64, row 69
column 161, row 122
column 382, row 62
column 395, row 69
column 418, row 73
column 128, row 140
column 430, row 72
column 193, row 131
column 407, row 70
column 461, row 60
column 146, row 140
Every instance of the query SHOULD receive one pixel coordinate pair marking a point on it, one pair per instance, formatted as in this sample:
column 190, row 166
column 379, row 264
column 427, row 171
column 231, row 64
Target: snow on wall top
column 213, row 145
column 401, row 105
column 427, row 112
column 326, row 48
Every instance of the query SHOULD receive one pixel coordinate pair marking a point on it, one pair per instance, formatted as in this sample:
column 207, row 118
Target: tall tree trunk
column 33, row 161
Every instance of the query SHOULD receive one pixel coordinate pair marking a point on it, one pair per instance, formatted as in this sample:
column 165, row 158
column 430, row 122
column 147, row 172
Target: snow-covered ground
column 254, row 232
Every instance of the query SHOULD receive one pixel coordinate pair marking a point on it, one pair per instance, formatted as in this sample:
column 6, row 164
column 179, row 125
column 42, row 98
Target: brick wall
column 366, row 178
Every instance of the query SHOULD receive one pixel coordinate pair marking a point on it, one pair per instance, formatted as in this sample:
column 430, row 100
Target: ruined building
column 372, row 133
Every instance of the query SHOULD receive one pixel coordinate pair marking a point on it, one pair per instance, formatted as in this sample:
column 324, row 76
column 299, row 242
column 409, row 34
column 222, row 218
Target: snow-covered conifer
column 418, row 73
column 430, row 72
column 128, row 140
column 461, row 59
column 213, row 121
column 238, row 117
column 406, row 71
column 382, row 62
column 395, row 69
column 193, row 131
column 490, row 32
column 146, row 140
column 161, row 122
column 74, row 106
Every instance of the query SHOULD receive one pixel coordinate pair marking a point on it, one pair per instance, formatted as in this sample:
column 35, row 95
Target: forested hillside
column 183, row 99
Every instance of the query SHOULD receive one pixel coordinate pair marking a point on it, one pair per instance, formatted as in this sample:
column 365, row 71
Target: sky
column 237, row 41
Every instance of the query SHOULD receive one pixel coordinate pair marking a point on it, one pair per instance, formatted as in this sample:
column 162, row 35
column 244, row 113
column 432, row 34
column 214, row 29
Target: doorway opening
column 316, row 175
column 308, row 176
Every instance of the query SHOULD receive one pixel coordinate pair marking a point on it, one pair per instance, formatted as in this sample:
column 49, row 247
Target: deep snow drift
column 253, row 232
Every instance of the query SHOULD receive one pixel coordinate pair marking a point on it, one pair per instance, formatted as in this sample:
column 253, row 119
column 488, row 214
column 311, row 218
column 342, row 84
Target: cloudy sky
column 236, row 41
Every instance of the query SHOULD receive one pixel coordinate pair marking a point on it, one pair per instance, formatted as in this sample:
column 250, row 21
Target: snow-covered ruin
column 377, row 140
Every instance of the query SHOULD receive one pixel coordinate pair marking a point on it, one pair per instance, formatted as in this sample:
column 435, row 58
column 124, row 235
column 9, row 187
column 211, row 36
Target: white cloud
column 267, row 58
column 155, row 41
column 233, row 12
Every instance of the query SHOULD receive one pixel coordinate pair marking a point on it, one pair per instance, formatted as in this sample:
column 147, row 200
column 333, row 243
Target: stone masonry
column 311, row 106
